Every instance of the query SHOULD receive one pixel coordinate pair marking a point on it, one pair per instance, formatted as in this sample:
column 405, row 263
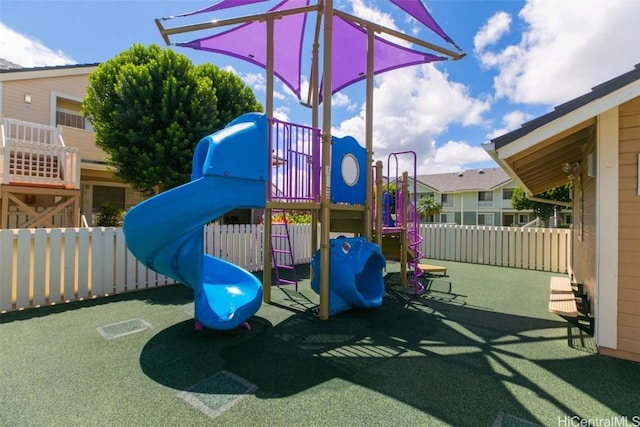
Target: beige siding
column 584, row 250
column 40, row 89
column 629, row 229
column 83, row 140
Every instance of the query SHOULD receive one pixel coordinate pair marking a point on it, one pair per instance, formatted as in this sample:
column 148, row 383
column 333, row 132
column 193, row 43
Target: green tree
column 542, row 210
column 428, row 206
column 150, row 106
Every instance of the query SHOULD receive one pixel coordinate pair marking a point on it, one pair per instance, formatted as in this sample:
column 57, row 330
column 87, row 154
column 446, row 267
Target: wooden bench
column 427, row 268
column 568, row 300
column 562, row 300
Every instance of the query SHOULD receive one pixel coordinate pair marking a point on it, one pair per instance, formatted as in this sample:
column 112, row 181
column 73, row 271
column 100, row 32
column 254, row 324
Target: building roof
column 8, row 65
column 538, row 154
column 17, row 68
column 470, row 180
column 596, row 92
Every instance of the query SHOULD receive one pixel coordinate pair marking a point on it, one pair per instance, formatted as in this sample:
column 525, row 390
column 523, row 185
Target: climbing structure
column 345, row 49
column 400, row 233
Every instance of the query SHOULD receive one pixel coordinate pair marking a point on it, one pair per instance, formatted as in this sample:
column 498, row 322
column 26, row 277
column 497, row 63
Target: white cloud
column 492, row 31
column 411, row 116
column 566, row 48
column 456, row 156
column 343, row 101
column 29, row 52
column 255, row 81
column 510, row 121
column 282, row 113
column 372, row 13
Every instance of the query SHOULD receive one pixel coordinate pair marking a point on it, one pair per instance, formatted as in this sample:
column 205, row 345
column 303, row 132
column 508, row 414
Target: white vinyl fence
column 56, row 265
column 544, row 249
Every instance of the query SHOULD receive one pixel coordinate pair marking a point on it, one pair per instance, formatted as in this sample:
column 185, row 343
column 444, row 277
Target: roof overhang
column 47, row 72
column 537, row 165
column 535, row 159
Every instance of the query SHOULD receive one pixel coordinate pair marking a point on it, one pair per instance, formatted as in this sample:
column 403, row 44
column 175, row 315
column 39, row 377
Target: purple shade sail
column 349, row 48
column 349, row 55
column 416, row 9
column 249, row 42
column 224, row 4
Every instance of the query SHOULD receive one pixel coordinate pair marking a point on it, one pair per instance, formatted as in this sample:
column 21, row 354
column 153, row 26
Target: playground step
column 281, row 251
column 286, row 267
column 287, row 282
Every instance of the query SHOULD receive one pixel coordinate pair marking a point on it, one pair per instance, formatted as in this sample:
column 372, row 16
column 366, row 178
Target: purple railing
column 413, row 218
column 295, row 162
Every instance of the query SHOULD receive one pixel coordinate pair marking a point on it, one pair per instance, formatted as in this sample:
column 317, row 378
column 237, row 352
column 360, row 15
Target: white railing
column 56, row 265
column 36, row 155
column 533, row 223
column 18, row 130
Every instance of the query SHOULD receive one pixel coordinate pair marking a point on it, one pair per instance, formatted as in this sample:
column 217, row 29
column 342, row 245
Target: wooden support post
column 325, row 198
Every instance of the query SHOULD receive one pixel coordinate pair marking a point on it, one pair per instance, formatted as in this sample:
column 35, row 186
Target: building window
column 485, row 219
column 446, row 218
column 104, row 194
column 485, row 198
column 523, row 218
column 507, row 193
column 568, row 219
column 65, row 118
column 447, row 200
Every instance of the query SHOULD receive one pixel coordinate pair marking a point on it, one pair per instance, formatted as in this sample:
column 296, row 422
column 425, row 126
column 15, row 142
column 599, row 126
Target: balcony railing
column 34, row 154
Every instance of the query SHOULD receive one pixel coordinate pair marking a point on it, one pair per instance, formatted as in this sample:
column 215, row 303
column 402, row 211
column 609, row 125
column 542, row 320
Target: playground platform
column 479, row 347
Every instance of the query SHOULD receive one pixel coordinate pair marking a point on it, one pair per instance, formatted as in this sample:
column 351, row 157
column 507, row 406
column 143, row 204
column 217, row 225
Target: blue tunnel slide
column 229, row 171
column 165, row 232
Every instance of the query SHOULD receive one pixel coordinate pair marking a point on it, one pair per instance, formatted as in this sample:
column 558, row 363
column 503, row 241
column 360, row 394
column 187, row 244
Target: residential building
column 594, row 142
column 51, row 172
column 473, row 197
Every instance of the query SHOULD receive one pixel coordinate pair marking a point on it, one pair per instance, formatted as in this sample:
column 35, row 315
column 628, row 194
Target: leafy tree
column 149, row 107
column 428, row 206
column 541, row 210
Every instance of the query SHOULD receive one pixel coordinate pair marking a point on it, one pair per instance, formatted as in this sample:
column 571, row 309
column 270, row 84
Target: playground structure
column 330, row 177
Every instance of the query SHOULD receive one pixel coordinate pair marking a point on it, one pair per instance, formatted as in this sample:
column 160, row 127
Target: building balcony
column 35, row 155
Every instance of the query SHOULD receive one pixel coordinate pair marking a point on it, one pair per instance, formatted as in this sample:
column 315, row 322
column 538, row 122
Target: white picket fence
column 57, row 265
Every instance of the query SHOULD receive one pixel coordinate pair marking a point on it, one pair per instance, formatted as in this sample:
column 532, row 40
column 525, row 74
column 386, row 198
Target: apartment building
column 51, row 172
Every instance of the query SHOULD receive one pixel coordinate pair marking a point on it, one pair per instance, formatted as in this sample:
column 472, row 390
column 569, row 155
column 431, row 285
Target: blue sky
column 523, row 58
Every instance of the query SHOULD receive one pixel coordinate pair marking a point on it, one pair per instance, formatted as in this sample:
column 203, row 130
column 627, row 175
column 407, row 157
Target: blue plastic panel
column 348, row 171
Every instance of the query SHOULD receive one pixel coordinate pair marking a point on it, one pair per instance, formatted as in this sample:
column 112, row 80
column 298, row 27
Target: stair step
column 281, row 251
column 279, row 235
column 286, row 267
column 287, row 282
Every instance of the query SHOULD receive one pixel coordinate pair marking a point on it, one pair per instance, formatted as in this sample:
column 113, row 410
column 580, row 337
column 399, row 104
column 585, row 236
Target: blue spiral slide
column 166, row 234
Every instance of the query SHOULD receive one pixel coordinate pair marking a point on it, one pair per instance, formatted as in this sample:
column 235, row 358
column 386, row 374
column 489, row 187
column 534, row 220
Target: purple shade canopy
column 349, row 48
column 416, row 9
column 249, row 42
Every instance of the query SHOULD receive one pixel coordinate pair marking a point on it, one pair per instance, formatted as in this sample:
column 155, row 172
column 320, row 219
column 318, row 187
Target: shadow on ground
column 433, row 351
